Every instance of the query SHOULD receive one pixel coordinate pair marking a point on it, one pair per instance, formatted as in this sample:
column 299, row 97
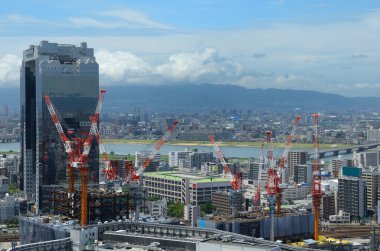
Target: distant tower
column 70, row 76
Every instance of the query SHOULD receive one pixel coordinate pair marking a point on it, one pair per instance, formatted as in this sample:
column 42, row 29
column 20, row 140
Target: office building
column 222, row 201
column 295, row 158
column 366, row 159
column 69, row 75
column 303, row 174
column 352, row 196
column 177, row 158
column 184, row 188
column 140, row 157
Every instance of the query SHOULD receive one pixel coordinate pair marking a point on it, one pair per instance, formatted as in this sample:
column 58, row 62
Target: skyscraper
column 70, row 76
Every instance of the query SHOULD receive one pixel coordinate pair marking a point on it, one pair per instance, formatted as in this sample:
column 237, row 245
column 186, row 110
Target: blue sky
column 329, row 46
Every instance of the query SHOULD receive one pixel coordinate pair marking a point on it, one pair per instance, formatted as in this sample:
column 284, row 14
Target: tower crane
column 137, row 174
column 236, row 180
column 78, row 150
column 256, row 198
column 316, row 186
column 271, row 184
column 280, row 186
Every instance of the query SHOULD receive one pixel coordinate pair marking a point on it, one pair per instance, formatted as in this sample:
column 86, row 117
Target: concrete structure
column 184, row 188
column 69, row 74
column 222, row 201
column 352, row 197
column 373, row 135
column 341, row 218
column 172, row 237
column 295, row 158
column 192, row 214
column 372, row 180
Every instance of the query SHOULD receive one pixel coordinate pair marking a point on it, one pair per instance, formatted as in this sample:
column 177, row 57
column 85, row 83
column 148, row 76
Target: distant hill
column 195, row 97
column 207, row 96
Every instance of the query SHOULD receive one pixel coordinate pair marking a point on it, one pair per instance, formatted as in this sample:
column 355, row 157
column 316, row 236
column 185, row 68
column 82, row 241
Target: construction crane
column 280, row 185
column 316, row 186
column 271, row 184
column 78, row 150
column 256, row 198
column 109, row 168
column 137, row 174
column 236, row 179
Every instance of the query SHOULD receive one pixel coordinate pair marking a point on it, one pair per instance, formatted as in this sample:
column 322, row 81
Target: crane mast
column 234, row 179
column 280, row 186
column 271, row 184
column 78, row 150
column 256, row 198
column 316, row 186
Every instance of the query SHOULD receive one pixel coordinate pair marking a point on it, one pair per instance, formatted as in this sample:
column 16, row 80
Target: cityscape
column 223, row 145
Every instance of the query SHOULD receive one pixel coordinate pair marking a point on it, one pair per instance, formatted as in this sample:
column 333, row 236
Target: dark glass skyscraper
column 70, row 76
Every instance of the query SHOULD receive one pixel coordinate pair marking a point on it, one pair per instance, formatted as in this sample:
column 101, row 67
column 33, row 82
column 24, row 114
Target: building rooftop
column 179, row 176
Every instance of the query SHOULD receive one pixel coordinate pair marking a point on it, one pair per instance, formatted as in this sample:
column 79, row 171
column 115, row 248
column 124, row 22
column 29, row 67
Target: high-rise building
column 303, row 174
column 336, row 168
column 295, row 158
column 352, row 196
column 372, row 181
column 70, row 76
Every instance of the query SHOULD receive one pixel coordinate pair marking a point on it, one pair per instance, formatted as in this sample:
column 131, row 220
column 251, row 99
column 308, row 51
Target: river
column 228, row 151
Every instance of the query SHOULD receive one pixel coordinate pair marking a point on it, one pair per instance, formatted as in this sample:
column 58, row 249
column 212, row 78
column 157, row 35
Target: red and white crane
column 138, row 173
column 256, row 198
column 280, row 186
column 236, row 179
column 78, row 150
column 316, row 192
column 236, row 182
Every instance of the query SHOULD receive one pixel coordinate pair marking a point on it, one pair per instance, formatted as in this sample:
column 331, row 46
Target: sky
column 328, row 46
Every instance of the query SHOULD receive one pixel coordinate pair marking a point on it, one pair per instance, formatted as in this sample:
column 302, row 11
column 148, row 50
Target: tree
column 175, row 210
column 207, row 208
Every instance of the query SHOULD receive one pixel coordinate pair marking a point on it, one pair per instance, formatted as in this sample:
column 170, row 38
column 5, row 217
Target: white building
column 184, row 188
column 158, row 208
column 192, row 214
column 340, row 218
column 9, row 207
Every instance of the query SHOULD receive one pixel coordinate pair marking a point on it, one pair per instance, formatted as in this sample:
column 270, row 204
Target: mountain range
column 207, row 96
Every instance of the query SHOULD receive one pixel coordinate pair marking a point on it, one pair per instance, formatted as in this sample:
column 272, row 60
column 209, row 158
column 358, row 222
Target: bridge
column 345, row 150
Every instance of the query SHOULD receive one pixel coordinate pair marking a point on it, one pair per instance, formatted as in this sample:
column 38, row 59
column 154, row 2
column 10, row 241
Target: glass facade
column 70, row 76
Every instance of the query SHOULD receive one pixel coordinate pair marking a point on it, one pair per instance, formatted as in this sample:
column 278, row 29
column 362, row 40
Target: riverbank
column 234, row 144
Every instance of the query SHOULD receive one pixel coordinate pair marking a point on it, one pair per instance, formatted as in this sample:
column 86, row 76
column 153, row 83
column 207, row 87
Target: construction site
column 120, row 196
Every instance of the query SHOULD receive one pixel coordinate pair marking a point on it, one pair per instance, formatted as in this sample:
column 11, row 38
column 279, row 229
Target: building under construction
column 102, row 205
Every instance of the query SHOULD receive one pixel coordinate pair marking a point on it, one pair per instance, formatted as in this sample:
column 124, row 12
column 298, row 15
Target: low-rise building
column 184, row 188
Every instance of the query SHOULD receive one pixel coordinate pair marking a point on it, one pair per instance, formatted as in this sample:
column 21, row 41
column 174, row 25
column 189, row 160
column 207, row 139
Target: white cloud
column 120, row 67
column 9, row 70
column 203, row 66
column 367, row 86
column 134, row 18
column 82, row 22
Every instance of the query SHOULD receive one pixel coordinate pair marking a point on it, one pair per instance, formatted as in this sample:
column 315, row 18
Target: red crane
column 138, row 173
column 256, row 198
column 78, row 150
column 236, row 181
column 283, row 159
column 271, row 185
column 316, row 186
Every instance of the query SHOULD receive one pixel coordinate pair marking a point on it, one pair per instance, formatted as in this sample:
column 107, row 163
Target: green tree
column 175, row 210
column 207, row 208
